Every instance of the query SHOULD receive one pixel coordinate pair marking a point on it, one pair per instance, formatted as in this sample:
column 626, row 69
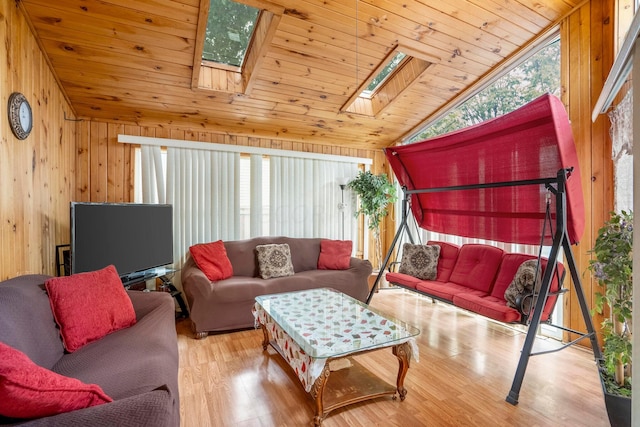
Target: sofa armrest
column 154, row 408
column 146, row 302
column 195, row 283
column 361, row 266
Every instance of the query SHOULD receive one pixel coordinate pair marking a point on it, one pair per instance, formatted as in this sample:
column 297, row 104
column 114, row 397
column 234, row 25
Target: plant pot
column 618, row 407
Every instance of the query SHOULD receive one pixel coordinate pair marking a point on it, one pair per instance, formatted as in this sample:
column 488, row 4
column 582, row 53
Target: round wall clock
column 20, row 115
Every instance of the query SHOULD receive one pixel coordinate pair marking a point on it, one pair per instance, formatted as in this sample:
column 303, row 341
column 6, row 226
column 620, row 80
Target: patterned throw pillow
column 420, row 261
column 274, row 260
column 523, row 283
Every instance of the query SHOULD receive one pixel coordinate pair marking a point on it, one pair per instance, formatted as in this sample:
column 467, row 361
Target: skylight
column 383, row 74
column 229, row 30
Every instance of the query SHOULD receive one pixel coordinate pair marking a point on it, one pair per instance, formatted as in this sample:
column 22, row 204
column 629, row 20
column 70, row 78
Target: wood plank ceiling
column 133, row 62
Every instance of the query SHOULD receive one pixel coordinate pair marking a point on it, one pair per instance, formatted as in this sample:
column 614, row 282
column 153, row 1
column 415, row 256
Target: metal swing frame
column 556, row 186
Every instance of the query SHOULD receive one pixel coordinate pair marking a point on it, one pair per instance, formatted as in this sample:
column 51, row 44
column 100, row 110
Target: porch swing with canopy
column 512, row 179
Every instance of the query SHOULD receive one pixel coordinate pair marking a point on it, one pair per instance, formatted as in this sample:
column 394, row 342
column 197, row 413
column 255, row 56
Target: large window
column 538, row 75
column 229, row 29
column 230, row 192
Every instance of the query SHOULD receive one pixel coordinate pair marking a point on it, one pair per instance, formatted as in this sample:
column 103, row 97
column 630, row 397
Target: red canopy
column 531, row 143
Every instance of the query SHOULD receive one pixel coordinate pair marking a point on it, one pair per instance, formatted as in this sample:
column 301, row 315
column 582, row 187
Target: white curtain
column 256, row 214
column 152, row 175
column 203, row 188
column 306, row 198
column 289, row 196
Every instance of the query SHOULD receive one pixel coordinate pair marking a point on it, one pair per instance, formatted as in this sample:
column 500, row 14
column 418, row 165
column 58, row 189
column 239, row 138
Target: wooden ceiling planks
column 132, row 62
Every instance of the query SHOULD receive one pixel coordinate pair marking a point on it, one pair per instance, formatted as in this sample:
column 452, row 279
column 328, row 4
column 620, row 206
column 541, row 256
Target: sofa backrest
column 447, row 259
column 242, row 253
column 477, row 266
column 26, row 319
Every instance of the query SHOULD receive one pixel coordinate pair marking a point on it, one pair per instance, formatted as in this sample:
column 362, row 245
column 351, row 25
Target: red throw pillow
column 31, row 391
column 88, row 306
column 212, row 259
column 334, row 254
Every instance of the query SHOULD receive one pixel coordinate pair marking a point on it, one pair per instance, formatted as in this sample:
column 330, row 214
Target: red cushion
column 477, row 266
column 402, row 280
column 445, row 291
column 31, row 391
column 488, row 306
column 212, row 259
column 448, row 257
column 88, row 306
column 334, row 254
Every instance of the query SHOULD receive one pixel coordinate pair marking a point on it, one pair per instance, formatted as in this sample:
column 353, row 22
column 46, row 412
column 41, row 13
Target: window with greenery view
column 536, row 76
column 383, row 74
column 229, row 29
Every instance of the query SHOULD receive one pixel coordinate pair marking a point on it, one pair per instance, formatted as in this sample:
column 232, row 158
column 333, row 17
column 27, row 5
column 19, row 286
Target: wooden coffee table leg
column 403, row 353
column 265, row 340
column 316, row 393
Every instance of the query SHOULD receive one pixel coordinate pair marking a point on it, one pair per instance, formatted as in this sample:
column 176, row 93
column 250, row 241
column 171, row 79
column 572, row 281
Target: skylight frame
column 228, row 64
column 370, row 93
column 406, row 74
column 214, row 76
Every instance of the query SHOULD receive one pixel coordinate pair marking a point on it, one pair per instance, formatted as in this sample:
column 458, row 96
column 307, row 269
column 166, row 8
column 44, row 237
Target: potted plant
column 611, row 266
column 375, row 192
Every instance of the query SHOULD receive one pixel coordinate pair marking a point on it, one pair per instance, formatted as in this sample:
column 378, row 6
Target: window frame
column 210, row 75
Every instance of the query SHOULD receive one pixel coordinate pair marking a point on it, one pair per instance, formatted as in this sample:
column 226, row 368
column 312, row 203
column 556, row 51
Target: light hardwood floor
column 464, row 373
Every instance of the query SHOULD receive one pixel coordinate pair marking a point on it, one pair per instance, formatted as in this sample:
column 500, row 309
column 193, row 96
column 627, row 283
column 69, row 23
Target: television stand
column 168, row 286
column 138, row 282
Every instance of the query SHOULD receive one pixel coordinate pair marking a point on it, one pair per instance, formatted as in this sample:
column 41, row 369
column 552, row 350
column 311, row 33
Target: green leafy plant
column 611, row 266
column 374, row 192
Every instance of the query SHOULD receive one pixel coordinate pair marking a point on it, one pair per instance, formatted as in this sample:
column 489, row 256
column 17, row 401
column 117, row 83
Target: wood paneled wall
column 37, row 175
column 587, row 55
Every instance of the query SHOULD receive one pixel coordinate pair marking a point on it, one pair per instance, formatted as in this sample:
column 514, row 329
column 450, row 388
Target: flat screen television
column 133, row 237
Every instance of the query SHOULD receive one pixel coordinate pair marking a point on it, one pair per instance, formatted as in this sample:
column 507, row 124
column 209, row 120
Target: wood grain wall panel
column 37, row 176
column 587, row 41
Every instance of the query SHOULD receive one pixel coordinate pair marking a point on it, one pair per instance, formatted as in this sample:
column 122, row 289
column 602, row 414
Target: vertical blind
column 301, row 198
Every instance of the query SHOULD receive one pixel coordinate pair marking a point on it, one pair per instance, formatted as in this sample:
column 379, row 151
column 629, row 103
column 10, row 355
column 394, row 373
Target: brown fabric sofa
column 226, row 304
column 137, row 366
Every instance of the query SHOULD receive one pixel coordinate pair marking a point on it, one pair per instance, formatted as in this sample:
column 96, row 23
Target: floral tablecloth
column 323, row 323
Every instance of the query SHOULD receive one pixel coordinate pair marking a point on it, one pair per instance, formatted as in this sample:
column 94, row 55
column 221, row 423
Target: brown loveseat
column 137, row 366
column 226, row 304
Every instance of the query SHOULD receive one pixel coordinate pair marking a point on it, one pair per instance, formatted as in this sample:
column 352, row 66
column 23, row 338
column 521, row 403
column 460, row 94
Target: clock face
column 25, row 115
column 20, row 115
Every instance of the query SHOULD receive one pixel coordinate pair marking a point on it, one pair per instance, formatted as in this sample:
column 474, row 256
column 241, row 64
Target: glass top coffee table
column 317, row 330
